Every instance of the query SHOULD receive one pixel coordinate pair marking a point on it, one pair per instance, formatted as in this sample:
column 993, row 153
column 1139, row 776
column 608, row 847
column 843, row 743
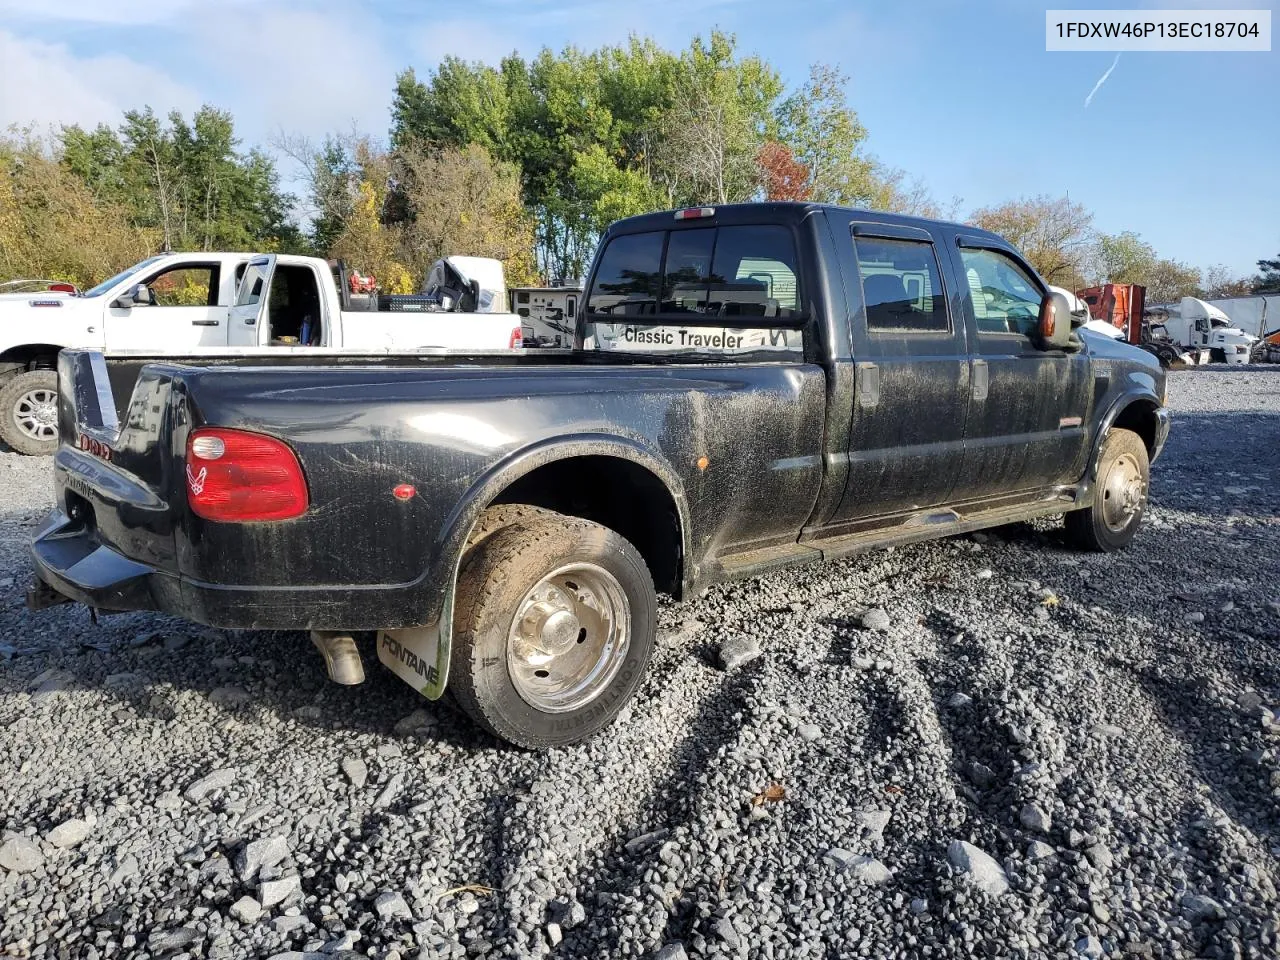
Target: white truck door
column 249, row 312
column 174, row 310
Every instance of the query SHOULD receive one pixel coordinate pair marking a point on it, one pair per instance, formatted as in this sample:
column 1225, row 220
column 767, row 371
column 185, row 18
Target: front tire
column 29, row 412
column 554, row 625
column 1120, row 496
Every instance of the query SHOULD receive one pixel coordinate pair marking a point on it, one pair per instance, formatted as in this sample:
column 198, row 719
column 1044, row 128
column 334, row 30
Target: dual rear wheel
column 554, row 624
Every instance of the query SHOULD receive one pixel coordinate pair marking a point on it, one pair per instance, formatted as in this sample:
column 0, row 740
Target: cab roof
column 788, row 212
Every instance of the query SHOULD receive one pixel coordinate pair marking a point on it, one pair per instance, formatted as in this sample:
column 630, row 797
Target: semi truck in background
column 1258, row 315
column 1189, row 332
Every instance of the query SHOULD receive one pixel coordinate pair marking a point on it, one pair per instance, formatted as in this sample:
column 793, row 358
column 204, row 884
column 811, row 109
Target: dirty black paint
column 792, row 450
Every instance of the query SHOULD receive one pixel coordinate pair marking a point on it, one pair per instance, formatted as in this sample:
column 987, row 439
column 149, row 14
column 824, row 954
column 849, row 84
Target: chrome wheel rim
column 569, row 638
column 1123, row 493
column 36, row 414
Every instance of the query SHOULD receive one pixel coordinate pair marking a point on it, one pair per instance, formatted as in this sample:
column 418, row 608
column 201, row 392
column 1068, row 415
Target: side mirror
column 136, row 296
column 1056, row 326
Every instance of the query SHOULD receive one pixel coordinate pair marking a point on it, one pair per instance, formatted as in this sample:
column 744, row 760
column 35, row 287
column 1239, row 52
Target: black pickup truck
column 751, row 386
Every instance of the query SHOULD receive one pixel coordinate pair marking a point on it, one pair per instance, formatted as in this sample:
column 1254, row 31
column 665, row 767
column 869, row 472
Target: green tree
column 1171, row 280
column 53, row 225
column 824, row 133
column 1219, row 282
column 1268, row 280
column 1124, row 258
column 462, row 201
column 187, row 180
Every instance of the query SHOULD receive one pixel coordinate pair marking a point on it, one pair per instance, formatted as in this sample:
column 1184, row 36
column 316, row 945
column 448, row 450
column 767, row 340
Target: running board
column 928, row 525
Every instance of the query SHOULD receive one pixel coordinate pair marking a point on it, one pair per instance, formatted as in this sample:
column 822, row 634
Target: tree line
column 527, row 161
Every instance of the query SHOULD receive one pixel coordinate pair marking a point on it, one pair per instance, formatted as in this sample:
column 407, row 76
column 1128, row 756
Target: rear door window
column 250, row 290
column 902, row 286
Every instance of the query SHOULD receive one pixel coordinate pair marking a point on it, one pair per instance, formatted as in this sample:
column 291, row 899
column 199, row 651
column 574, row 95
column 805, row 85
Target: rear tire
column 553, row 627
column 1120, row 496
column 29, row 412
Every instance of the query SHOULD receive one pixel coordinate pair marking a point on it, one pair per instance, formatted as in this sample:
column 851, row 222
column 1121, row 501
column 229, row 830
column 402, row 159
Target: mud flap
column 417, row 657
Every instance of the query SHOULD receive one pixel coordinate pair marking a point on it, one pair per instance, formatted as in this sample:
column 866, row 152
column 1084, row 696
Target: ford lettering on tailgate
column 95, row 447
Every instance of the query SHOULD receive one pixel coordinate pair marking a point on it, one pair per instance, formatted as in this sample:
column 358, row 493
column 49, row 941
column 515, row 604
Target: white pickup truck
column 196, row 304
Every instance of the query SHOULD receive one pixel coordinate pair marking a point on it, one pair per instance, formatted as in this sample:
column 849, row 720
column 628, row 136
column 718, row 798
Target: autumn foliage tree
column 52, row 226
column 782, row 176
column 1054, row 233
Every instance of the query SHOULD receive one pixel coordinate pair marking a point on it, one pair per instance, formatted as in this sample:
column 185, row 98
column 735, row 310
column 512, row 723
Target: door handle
column 205, row 323
column 251, row 321
column 980, row 381
column 868, row 385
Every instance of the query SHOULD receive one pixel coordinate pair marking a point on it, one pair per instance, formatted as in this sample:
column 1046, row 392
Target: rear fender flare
column 457, row 528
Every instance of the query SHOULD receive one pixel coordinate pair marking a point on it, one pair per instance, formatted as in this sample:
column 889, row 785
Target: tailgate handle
column 868, row 385
column 205, row 323
column 980, row 381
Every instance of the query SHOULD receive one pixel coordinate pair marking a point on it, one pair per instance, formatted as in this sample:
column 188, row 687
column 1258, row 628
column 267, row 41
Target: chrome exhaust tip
column 341, row 656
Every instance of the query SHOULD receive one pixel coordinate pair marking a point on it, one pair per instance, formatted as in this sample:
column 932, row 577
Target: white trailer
column 548, row 314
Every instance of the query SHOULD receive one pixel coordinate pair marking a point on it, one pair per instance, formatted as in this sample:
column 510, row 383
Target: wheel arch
column 532, row 469
column 31, row 356
column 574, row 475
column 1137, row 411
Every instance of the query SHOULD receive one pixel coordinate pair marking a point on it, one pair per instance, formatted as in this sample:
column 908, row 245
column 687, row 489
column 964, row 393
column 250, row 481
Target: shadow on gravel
column 1218, row 743
column 236, row 672
column 672, row 801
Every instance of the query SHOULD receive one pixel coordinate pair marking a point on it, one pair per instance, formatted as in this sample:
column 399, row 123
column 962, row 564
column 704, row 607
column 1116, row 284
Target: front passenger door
column 182, row 315
column 1029, row 409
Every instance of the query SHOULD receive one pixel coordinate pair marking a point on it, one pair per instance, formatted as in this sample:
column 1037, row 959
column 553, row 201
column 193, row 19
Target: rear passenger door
column 906, row 442
column 1028, row 416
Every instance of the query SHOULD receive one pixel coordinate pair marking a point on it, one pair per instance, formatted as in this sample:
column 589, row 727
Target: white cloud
column 117, row 12
column 468, row 40
column 301, row 70
column 46, row 84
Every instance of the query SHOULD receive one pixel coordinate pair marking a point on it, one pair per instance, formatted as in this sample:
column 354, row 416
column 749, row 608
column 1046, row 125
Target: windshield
column 106, row 285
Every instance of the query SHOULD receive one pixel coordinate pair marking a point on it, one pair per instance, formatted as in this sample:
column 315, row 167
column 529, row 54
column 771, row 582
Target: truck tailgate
column 113, row 523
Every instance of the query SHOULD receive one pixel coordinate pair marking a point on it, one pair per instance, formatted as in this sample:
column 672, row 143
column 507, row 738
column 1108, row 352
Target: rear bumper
column 68, row 559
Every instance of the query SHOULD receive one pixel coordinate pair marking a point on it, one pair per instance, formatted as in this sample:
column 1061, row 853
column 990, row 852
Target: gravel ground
column 987, row 746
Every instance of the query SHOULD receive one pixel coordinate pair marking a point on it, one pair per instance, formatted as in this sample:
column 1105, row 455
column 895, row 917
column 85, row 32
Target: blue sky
column 1183, row 148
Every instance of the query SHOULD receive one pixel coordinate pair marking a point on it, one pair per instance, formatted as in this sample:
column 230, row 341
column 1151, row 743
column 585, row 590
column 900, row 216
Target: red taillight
column 240, row 477
column 517, row 339
column 695, row 213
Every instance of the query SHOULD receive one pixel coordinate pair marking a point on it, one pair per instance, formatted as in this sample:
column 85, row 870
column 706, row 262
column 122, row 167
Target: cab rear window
column 745, row 272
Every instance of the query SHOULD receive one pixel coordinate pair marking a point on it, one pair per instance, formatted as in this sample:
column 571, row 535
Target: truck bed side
column 734, row 448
